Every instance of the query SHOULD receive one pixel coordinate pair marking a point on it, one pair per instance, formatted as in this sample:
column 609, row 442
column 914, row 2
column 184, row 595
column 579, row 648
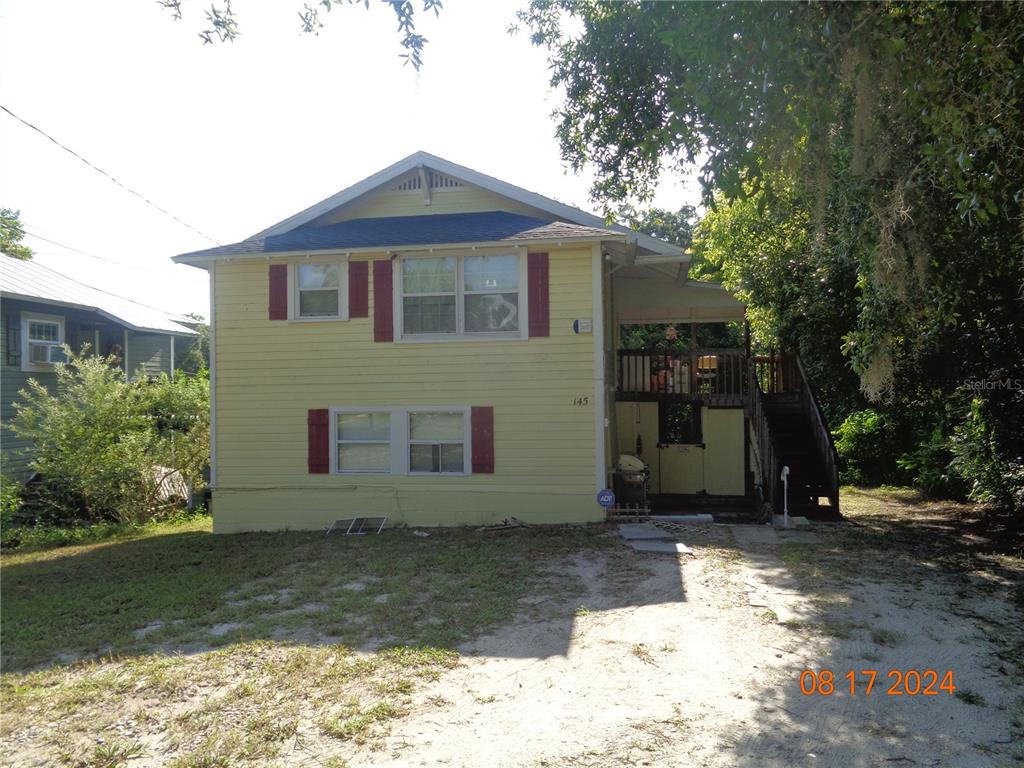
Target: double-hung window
column 429, row 295
column 437, row 442
column 414, row 440
column 318, row 291
column 462, row 296
column 43, row 340
column 363, row 441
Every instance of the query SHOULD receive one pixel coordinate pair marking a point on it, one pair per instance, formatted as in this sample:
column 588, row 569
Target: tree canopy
column 223, row 24
column 11, row 234
column 864, row 175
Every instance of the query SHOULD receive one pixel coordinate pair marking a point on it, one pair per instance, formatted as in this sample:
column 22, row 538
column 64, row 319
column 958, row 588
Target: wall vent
column 414, row 183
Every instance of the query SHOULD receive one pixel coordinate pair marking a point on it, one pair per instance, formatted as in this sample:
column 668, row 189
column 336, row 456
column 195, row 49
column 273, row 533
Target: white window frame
column 293, row 289
column 334, row 442
column 399, row 439
column 26, row 358
column 460, row 299
column 467, row 463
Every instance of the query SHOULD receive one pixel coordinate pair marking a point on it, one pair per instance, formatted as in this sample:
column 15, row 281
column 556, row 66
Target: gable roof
column 560, row 213
column 31, row 281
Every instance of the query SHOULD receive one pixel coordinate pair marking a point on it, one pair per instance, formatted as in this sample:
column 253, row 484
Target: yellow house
column 440, row 347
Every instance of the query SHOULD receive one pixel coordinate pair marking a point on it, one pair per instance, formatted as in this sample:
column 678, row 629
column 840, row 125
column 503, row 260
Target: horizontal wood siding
column 149, row 354
column 269, row 374
column 13, row 449
column 411, row 203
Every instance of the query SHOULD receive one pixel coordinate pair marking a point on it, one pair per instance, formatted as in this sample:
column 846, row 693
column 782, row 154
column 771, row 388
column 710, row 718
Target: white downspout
column 785, row 496
column 600, row 396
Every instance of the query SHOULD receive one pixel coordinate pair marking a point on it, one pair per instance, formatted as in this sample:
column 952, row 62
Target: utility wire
column 142, row 197
column 29, row 232
column 145, row 271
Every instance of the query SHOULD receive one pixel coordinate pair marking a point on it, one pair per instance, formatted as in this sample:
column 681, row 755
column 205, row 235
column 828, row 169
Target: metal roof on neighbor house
column 31, row 281
column 398, row 231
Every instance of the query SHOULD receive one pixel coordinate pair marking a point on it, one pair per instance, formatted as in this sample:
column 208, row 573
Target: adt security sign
column 606, row 498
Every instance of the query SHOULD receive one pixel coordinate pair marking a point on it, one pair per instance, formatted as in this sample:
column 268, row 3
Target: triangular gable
column 413, row 173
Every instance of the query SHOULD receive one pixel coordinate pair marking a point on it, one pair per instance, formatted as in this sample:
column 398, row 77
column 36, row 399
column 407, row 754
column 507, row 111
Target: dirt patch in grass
column 195, row 650
column 533, row 648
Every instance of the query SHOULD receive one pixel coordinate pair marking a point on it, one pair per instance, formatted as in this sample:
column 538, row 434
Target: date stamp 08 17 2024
column 896, row 682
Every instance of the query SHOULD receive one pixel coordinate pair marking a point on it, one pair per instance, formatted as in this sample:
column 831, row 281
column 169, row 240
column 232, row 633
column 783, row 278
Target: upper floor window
column 42, row 342
column 462, row 296
column 318, row 291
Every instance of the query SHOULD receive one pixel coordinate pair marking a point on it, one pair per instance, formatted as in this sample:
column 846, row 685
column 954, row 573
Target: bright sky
column 232, row 138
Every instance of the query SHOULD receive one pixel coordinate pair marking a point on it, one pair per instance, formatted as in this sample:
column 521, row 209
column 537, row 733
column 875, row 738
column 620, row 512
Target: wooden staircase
column 791, row 432
column 809, row 478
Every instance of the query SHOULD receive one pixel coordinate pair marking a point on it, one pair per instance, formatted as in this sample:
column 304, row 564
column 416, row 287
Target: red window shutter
column 383, row 318
column 318, row 423
column 278, row 291
column 358, row 289
column 537, row 287
column 482, row 428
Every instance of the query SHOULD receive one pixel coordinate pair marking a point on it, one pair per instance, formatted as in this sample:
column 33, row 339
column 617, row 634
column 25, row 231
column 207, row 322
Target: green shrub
column 990, row 475
column 107, row 448
column 10, row 500
column 929, row 467
column 868, row 445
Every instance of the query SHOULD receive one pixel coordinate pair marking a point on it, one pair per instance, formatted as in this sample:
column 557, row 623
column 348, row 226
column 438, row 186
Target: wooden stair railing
column 822, row 436
column 766, row 453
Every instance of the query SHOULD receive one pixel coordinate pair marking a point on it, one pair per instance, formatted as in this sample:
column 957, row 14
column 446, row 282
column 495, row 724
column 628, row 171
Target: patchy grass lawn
column 221, row 650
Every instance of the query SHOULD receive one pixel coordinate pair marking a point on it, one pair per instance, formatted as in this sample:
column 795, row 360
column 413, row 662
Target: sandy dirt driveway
column 697, row 662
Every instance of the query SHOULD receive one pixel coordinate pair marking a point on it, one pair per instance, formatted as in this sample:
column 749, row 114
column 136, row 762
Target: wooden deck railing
column 776, row 374
column 718, row 375
column 822, row 436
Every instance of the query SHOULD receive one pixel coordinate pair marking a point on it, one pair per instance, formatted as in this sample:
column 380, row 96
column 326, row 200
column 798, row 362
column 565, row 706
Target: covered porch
column 681, row 387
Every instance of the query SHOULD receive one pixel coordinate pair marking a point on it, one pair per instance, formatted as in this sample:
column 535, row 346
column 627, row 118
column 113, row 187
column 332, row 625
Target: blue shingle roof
column 396, row 231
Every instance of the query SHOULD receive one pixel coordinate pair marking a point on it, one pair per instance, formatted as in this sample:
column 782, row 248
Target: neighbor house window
column 364, row 442
column 437, row 442
column 462, row 296
column 43, row 340
column 318, row 291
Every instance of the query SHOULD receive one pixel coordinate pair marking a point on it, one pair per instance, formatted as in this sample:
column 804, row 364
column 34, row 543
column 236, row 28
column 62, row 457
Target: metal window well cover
column 358, row 526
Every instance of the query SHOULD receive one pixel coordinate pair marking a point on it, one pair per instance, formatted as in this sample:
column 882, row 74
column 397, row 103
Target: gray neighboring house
column 42, row 310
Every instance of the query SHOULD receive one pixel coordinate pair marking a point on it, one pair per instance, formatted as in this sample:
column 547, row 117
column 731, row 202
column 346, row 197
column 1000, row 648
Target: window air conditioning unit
column 46, row 354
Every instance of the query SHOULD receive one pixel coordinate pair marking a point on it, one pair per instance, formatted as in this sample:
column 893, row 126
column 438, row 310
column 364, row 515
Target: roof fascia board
column 520, row 195
column 199, row 261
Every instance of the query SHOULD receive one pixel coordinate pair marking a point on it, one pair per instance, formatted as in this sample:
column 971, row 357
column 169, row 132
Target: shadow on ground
column 905, row 585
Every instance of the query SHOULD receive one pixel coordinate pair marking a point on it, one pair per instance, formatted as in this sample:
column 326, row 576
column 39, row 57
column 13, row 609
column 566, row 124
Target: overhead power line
column 125, row 187
column 143, row 270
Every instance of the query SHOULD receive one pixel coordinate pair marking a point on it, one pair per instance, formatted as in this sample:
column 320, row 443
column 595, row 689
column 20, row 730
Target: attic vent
column 409, row 185
column 440, row 181
column 437, row 181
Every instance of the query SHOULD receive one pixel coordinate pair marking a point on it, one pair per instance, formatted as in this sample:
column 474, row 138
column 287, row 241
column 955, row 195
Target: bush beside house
column 109, row 449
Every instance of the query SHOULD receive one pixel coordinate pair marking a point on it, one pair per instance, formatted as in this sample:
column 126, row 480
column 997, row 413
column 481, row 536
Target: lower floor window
column 401, row 441
column 436, row 442
column 364, row 442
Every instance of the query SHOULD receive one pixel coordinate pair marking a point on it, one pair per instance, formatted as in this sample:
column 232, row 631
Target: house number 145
column 581, row 400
